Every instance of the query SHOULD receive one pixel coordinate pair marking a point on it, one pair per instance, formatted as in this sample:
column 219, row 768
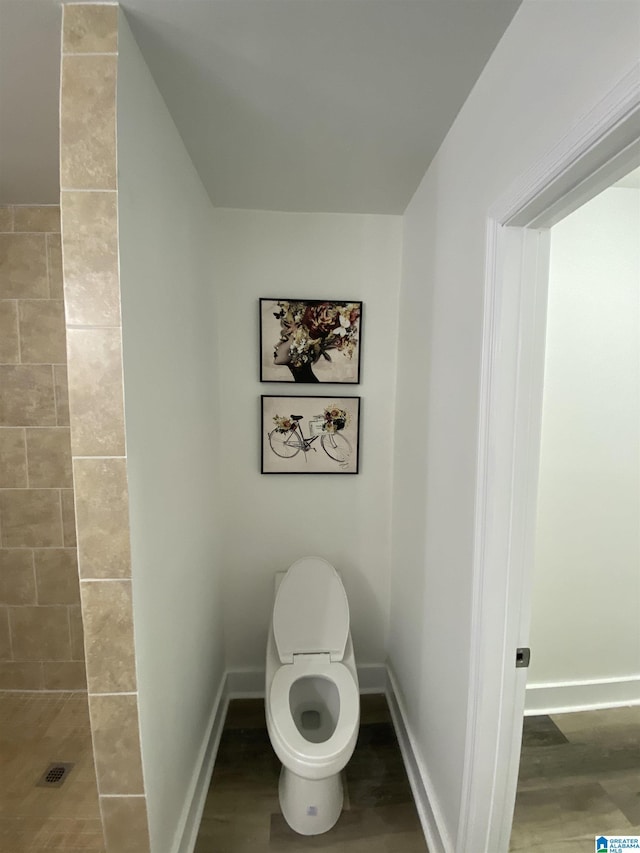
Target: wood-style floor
column 579, row 779
column 242, row 813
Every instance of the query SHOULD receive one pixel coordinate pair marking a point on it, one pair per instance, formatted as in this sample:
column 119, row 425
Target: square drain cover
column 54, row 776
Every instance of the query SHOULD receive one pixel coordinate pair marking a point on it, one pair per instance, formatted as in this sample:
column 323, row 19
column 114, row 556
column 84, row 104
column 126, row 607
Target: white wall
column 269, row 521
column 173, row 439
column 555, row 62
column 586, row 598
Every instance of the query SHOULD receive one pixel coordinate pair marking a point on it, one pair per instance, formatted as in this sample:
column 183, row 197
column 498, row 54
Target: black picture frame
column 310, row 340
column 310, row 434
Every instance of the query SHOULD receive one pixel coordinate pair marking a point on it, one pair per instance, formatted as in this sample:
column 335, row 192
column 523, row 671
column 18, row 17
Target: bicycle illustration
column 288, row 439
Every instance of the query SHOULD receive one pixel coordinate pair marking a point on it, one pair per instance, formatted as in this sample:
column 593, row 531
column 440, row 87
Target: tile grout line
column 67, row 53
column 55, row 392
column 90, row 327
column 69, row 632
column 98, row 457
column 36, row 363
column 18, row 334
column 106, row 580
column 35, row 586
column 121, row 796
column 36, row 547
column 35, row 581
column 36, row 427
column 26, row 455
column 10, row 632
column 40, row 606
column 46, row 261
column 61, row 513
column 86, row 190
column 34, row 488
column 111, row 693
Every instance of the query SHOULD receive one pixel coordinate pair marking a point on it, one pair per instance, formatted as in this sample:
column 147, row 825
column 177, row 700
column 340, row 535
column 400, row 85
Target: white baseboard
column 561, row 697
column 433, row 826
column 373, row 678
column 245, row 683
column 189, row 824
column 249, row 683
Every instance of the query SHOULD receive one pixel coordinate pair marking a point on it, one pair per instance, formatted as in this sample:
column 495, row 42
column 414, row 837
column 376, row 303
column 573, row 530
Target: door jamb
column 602, row 147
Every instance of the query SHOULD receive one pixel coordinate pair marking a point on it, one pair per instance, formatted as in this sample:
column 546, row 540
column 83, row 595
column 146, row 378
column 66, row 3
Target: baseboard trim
column 565, row 696
column 245, row 683
column 187, row 832
column 249, row 684
column 373, row 678
column 433, row 826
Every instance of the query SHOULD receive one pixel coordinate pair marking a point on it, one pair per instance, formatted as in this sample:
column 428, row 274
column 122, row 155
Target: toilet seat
column 311, row 611
column 282, row 719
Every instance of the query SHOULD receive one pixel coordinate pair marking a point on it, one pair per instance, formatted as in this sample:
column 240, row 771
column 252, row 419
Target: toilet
column 312, row 700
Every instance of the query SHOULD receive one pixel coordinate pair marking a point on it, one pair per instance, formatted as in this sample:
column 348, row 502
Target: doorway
column 598, row 151
column 580, row 755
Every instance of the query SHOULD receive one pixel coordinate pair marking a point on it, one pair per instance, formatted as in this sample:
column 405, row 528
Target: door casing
column 601, row 148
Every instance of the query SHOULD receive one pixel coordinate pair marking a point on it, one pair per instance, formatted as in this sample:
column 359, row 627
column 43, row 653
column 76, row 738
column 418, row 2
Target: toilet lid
column 311, row 611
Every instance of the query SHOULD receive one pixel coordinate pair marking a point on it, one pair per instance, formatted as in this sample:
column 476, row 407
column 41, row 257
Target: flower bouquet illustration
column 310, row 340
column 328, row 432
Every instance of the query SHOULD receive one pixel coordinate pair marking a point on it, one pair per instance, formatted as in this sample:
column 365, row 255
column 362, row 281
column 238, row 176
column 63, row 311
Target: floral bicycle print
column 287, row 438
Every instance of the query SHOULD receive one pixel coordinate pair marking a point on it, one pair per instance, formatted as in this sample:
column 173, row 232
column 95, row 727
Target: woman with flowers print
column 309, row 330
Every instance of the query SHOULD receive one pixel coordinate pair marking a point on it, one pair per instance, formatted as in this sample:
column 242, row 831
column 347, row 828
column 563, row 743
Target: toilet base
column 310, row 806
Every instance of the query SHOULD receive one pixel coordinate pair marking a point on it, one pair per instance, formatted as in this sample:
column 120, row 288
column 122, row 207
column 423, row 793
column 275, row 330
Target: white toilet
column 312, row 701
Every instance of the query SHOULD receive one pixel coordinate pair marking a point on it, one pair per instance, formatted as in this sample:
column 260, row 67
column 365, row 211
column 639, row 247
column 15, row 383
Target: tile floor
column 242, row 814
column 579, row 778
column 37, row 729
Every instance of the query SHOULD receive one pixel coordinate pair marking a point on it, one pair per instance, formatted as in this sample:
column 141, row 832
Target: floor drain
column 54, row 776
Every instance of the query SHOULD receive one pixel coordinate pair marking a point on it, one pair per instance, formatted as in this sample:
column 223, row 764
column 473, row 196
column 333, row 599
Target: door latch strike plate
column 523, row 656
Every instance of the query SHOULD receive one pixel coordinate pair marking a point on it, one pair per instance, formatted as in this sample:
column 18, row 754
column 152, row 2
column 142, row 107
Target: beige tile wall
column 41, row 644
column 94, row 347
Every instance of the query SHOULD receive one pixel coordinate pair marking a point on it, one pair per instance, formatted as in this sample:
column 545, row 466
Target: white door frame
column 599, row 149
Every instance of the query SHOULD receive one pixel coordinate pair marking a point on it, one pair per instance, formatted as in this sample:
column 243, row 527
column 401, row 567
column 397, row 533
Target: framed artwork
column 310, row 435
column 310, row 340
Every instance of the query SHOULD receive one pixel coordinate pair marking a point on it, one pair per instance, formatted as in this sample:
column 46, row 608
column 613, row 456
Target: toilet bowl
column 312, row 700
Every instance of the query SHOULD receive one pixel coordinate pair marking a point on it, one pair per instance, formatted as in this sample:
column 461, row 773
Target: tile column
column 88, row 172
